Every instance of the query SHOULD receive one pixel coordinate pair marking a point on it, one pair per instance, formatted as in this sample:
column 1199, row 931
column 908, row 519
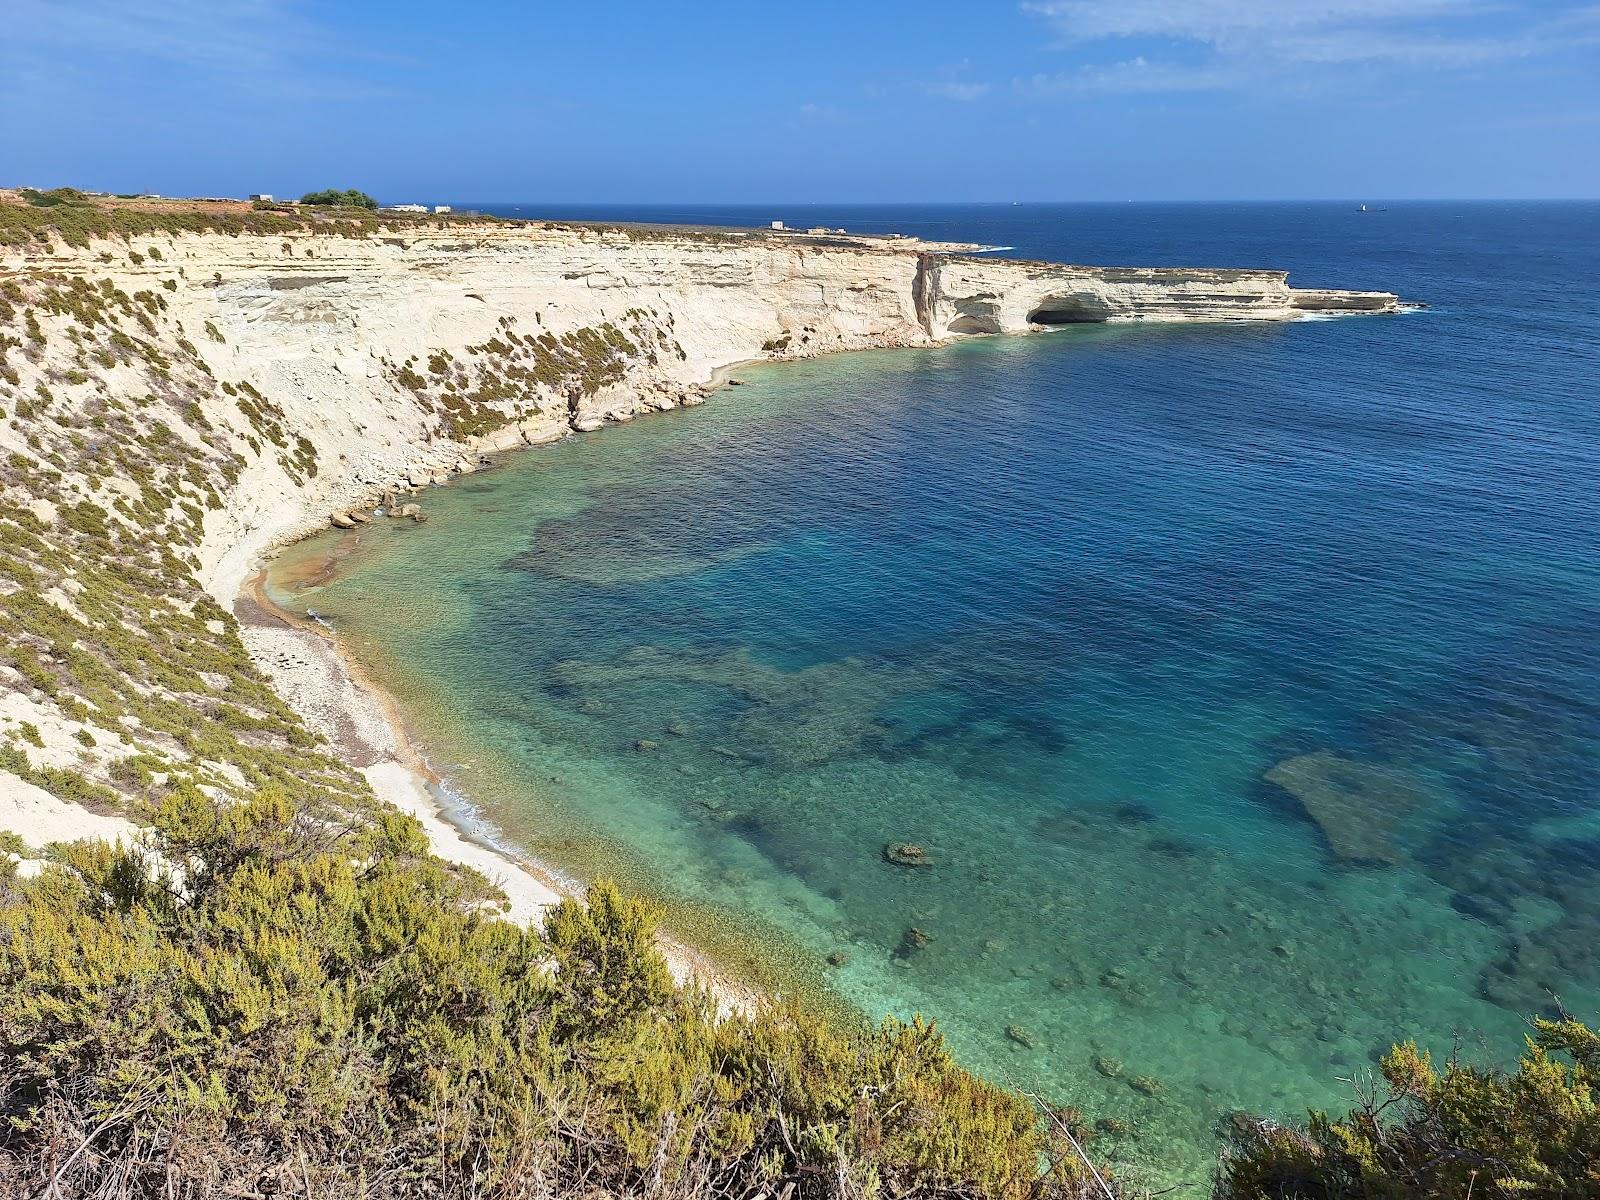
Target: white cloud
column 1130, row 77
column 264, row 45
column 953, row 90
column 1220, row 21
column 1260, row 44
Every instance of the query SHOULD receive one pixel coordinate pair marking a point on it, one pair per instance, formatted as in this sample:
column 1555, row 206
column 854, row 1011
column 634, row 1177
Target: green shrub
column 1448, row 1134
column 248, row 1003
column 54, row 197
column 349, row 198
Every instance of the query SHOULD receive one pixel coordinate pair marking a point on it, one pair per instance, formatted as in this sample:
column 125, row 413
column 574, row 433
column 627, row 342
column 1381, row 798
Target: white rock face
column 311, row 378
column 328, row 328
column 968, row 295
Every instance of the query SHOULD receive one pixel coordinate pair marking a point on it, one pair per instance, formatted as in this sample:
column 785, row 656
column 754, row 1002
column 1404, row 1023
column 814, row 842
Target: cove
column 1238, row 684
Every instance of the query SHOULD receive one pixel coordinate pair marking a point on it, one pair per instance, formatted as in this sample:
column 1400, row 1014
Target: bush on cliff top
column 348, row 198
column 250, row 1004
column 1441, row 1134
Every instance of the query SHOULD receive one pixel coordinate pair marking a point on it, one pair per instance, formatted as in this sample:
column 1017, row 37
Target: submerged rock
column 1021, row 1037
column 1145, row 1085
column 1111, row 1127
column 1356, row 805
column 1109, row 1067
column 838, row 958
column 913, row 941
column 906, row 854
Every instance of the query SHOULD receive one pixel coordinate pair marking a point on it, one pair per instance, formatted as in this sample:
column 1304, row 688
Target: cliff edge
column 182, row 389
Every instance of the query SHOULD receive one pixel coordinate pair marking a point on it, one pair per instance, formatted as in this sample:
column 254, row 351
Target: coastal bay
column 685, row 654
column 742, row 657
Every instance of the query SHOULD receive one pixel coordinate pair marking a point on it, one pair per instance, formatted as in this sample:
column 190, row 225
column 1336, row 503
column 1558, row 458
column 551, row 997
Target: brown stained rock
column 1109, row 1067
column 906, row 854
column 913, row 941
column 1022, row 1037
column 1356, row 805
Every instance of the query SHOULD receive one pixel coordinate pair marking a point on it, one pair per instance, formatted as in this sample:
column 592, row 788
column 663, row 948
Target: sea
column 1238, row 686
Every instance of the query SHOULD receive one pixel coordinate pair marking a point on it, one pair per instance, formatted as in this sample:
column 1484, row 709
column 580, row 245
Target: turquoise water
column 1241, row 684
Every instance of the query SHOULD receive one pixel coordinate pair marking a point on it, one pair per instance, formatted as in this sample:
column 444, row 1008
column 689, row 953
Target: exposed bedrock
column 1001, row 296
column 389, row 359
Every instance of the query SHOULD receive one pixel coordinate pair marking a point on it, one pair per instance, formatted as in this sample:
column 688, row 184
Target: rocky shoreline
column 198, row 399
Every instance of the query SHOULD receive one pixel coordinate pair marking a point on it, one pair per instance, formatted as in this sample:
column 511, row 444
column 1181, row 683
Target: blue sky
column 886, row 100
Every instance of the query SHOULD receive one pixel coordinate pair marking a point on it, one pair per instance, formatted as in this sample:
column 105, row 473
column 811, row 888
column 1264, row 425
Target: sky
column 875, row 100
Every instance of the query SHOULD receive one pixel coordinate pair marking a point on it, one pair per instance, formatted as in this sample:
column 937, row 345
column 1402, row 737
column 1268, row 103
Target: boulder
column 359, row 517
column 913, row 941
column 1356, row 805
column 341, row 521
column 906, row 854
column 1021, row 1037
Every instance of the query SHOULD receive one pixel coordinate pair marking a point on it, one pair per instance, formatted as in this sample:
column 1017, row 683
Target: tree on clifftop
column 349, row 198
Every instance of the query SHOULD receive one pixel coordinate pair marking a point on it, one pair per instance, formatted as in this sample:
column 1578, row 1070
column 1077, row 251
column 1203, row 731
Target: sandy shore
column 336, row 697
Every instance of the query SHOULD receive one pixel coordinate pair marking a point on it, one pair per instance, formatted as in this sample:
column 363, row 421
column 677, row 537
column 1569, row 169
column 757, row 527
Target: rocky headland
column 182, row 391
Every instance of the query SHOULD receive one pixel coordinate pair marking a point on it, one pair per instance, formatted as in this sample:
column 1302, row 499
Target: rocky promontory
column 182, row 389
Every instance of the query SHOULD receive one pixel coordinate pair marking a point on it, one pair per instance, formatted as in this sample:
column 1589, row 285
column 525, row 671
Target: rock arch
column 1073, row 308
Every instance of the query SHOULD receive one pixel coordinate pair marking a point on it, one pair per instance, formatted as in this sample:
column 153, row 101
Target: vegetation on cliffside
column 66, row 215
column 1431, row 1133
column 251, row 1002
column 278, row 991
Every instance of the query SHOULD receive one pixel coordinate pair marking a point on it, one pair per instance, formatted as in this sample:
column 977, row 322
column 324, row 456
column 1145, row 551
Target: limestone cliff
column 173, row 403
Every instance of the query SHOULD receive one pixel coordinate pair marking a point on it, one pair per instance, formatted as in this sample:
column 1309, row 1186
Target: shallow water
column 1241, row 684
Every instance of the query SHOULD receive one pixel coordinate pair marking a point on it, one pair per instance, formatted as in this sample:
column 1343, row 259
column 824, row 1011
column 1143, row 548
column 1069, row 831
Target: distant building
column 264, row 197
column 409, row 208
column 777, row 225
column 440, row 210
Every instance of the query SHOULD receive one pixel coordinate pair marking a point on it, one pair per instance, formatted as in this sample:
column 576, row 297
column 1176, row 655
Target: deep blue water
column 1243, row 683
